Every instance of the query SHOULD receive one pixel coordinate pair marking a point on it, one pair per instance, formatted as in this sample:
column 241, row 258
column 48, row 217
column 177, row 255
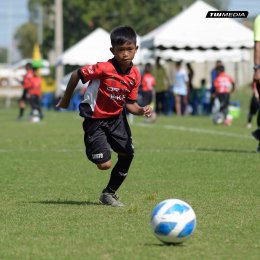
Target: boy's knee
column 105, row 166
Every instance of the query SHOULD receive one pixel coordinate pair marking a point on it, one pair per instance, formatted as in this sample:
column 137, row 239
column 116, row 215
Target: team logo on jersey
column 132, row 83
column 90, row 70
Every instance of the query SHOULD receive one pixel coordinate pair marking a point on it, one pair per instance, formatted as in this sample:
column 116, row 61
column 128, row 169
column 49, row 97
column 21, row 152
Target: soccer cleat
column 256, row 134
column 110, row 199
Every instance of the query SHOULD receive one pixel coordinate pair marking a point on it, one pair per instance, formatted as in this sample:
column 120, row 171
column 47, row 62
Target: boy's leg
column 256, row 133
column 121, row 142
column 119, row 173
column 117, row 177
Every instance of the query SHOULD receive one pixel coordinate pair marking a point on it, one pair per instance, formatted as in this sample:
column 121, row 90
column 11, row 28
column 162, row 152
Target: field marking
column 197, row 130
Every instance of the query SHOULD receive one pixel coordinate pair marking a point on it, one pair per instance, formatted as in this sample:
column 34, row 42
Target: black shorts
column 24, row 96
column 103, row 134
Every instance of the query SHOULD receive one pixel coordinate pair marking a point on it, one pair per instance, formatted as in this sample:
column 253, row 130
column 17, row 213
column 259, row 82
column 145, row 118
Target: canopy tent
column 234, row 55
column 192, row 30
column 91, row 49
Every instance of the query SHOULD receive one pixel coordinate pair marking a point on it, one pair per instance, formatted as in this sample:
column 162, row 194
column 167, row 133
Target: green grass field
column 49, row 190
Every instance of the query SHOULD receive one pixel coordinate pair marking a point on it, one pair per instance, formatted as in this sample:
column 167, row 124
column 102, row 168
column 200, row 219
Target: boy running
column 113, row 85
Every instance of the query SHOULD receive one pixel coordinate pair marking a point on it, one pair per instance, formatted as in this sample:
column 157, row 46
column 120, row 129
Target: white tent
column 234, row 55
column 192, row 30
column 91, row 49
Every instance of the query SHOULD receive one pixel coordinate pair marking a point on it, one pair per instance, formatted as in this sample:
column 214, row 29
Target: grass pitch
column 49, row 190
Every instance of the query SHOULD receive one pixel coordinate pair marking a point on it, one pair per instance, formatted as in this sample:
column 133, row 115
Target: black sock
column 21, row 112
column 119, row 173
column 249, row 118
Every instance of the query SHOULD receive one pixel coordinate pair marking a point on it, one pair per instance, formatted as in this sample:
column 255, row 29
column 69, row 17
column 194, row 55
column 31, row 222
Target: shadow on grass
column 164, row 245
column 67, row 202
column 224, row 150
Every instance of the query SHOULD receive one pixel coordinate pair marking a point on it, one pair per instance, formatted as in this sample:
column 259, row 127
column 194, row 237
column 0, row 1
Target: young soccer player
column 224, row 86
column 26, row 85
column 113, row 85
column 35, row 93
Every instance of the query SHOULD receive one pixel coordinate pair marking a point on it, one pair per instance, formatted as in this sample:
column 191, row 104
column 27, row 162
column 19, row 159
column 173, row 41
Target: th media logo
column 227, row 14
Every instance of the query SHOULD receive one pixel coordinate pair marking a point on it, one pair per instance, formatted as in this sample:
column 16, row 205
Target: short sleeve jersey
column 35, row 88
column 257, row 28
column 148, row 82
column 109, row 89
column 223, row 83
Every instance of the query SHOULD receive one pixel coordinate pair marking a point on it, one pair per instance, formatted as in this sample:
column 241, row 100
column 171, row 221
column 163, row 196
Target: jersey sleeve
column 90, row 72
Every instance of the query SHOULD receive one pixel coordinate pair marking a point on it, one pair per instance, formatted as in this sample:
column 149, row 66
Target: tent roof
column 91, row 49
column 192, row 30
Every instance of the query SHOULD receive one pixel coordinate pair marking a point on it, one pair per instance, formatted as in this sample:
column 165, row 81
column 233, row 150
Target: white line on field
column 197, row 130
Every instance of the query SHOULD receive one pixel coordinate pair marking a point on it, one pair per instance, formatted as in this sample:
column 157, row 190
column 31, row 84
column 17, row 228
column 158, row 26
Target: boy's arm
column 135, row 109
column 73, row 82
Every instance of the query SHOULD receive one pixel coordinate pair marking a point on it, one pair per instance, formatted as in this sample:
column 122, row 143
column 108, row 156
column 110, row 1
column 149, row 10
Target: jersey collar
column 118, row 69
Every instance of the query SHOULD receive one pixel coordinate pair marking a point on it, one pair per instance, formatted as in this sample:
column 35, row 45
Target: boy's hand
column 63, row 103
column 147, row 110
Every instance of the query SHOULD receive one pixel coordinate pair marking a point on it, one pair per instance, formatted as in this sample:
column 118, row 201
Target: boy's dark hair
column 122, row 34
column 203, row 81
column 28, row 65
column 220, row 69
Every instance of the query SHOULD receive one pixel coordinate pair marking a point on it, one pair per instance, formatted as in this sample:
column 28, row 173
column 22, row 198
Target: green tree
column 26, row 37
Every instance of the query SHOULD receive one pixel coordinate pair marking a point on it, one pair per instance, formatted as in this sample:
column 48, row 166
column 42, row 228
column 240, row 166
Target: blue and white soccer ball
column 173, row 221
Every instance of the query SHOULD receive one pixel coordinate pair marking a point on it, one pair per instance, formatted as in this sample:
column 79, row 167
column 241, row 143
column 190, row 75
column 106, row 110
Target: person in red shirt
column 35, row 93
column 26, row 84
column 224, row 86
column 148, row 91
column 113, row 86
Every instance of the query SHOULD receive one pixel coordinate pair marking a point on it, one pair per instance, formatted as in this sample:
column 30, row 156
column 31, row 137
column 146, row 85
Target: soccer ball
column 218, row 118
column 35, row 117
column 173, row 221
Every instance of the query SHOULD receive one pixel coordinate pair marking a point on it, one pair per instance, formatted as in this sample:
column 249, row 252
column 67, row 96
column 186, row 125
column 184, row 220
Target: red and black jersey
column 36, row 86
column 109, row 89
column 223, row 83
column 27, row 79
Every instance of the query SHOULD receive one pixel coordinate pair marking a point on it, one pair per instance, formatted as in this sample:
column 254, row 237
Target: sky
column 13, row 13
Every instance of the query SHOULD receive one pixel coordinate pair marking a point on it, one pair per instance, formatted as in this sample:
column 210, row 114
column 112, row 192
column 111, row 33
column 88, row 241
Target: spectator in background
column 26, row 85
column 48, row 89
column 213, row 77
column 148, row 91
column 161, row 87
column 190, row 83
column 224, row 86
column 180, row 89
column 256, row 79
column 204, row 97
column 35, row 92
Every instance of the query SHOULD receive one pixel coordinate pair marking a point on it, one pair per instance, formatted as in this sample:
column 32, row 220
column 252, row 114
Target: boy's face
column 124, row 53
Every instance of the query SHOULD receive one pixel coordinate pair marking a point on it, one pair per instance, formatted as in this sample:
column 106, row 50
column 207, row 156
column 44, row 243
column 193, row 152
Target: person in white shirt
column 180, row 88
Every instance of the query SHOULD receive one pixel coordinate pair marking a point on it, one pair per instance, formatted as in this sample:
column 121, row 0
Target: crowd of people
column 179, row 96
